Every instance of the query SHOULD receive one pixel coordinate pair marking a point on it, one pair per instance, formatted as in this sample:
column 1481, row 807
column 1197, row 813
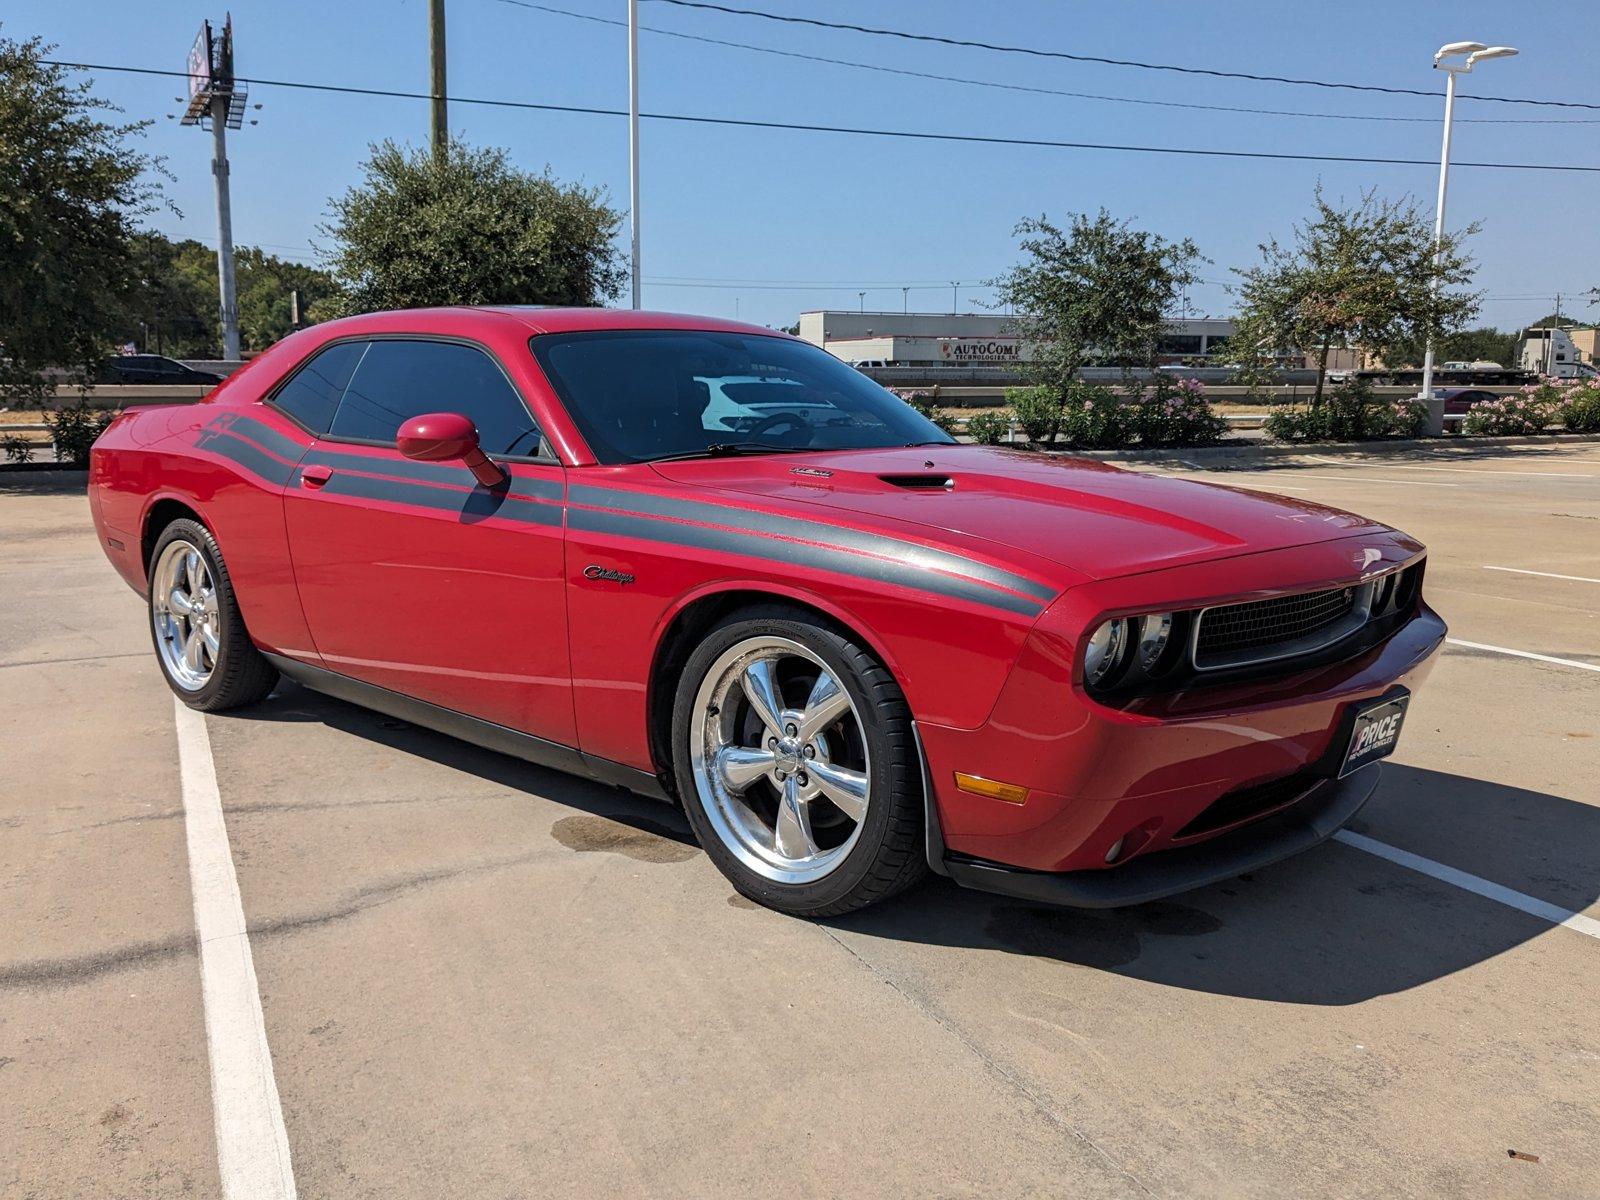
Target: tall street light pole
column 436, row 60
column 1475, row 52
column 633, row 141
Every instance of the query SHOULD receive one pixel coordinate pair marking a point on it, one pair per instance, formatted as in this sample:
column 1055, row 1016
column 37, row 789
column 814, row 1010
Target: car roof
column 536, row 319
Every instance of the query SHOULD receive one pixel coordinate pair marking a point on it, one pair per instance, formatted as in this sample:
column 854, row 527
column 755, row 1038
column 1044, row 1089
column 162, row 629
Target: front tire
column 794, row 753
column 200, row 640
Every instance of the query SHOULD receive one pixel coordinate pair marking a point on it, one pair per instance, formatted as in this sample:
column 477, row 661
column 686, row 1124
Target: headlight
column 1104, row 651
column 1154, row 631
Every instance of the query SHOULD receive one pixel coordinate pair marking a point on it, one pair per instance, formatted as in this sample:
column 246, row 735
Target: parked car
column 853, row 650
column 1458, row 400
column 151, row 368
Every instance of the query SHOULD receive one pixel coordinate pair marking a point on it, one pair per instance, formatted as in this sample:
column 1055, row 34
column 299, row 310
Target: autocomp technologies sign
column 980, row 350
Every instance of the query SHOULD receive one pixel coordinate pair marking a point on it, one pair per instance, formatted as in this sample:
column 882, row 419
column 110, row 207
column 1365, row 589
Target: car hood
column 1097, row 519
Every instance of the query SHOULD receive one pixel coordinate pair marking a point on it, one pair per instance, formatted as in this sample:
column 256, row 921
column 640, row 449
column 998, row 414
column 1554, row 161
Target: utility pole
column 861, row 297
column 905, row 300
column 436, row 59
column 633, row 141
column 1550, row 339
column 225, row 276
column 954, row 305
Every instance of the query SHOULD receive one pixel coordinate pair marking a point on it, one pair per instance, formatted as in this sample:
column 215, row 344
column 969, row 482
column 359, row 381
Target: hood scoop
column 920, row 482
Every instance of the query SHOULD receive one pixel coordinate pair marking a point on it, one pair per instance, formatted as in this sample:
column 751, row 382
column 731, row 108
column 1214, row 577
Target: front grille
column 1234, row 635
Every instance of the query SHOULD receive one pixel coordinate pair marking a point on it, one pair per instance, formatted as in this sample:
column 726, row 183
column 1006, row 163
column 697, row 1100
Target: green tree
column 469, row 228
column 1362, row 276
column 1484, row 344
column 1097, row 289
column 71, row 187
column 266, row 285
column 172, row 306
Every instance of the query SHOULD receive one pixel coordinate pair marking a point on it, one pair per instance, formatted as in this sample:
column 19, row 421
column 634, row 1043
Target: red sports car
column 712, row 563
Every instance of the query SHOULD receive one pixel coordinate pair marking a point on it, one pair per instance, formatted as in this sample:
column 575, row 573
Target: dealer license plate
column 1375, row 735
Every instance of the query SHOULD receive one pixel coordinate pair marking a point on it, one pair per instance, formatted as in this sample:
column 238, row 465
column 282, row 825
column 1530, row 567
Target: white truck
column 1541, row 351
column 1549, row 351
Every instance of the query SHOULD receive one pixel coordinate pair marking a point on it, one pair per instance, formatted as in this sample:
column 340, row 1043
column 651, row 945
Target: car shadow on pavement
column 1332, row 926
column 293, row 703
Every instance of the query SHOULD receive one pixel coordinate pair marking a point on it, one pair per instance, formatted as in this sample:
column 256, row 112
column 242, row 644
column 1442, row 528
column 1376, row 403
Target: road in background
column 481, row 978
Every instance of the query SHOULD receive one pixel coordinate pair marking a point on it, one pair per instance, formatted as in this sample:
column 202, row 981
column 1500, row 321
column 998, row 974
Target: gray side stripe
column 282, row 446
column 252, row 458
column 478, row 503
column 403, row 468
column 822, row 558
column 910, row 553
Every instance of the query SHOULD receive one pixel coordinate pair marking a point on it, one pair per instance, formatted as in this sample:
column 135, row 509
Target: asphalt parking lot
column 478, row 978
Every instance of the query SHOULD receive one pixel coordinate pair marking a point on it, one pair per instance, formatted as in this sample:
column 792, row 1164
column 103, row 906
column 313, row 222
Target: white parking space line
column 1401, row 466
column 1349, row 475
column 1548, row 658
column 1476, row 884
column 252, row 1145
column 1543, row 574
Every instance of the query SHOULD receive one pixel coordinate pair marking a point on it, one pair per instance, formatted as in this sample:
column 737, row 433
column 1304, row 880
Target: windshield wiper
column 729, row 450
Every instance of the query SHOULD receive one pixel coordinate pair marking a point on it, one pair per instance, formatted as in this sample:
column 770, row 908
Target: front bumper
column 1311, row 820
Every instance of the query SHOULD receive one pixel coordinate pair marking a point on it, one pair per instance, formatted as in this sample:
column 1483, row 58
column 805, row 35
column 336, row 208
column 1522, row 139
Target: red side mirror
column 448, row 437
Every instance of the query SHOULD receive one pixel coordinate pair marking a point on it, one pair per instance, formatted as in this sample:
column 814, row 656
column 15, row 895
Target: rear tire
column 794, row 753
column 200, row 640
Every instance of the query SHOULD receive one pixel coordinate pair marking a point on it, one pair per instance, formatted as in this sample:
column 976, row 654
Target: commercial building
column 970, row 339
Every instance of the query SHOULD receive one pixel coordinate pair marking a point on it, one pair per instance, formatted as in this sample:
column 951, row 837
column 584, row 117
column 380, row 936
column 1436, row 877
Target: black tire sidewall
column 887, row 760
column 233, row 640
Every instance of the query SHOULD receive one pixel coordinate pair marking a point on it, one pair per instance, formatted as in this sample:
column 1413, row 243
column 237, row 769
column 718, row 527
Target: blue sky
column 826, row 216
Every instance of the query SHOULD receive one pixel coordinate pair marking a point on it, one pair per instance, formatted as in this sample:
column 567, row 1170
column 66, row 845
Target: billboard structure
column 217, row 103
column 210, row 69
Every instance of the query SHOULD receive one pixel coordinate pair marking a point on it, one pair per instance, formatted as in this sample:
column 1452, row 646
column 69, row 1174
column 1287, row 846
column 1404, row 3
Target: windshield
column 643, row 394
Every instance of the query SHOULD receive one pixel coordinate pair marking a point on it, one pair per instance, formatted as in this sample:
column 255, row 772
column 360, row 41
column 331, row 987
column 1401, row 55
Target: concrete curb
column 31, row 467
column 1201, row 455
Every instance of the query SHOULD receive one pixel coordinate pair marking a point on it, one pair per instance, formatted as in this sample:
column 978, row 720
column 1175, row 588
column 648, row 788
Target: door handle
column 315, row 475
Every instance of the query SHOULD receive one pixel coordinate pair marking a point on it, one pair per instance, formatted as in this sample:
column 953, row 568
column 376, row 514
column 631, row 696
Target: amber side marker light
column 1010, row 793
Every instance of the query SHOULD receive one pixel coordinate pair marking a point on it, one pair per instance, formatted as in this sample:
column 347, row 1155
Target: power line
column 1044, row 91
column 909, row 134
column 1094, row 58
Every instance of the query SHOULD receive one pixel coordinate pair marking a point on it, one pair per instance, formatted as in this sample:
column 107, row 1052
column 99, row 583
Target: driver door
column 413, row 576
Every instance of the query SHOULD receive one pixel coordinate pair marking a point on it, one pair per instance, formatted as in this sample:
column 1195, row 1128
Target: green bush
column 988, row 428
column 1038, row 412
column 74, row 428
column 1580, row 410
column 1531, row 410
column 1175, row 412
column 1348, row 413
column 16, row 449
column 1095, row 418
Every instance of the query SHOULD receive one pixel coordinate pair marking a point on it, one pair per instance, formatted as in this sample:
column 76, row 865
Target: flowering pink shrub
column 1580, row 407
column 1531, row 410
column 1175, row 412
column 1348, row 413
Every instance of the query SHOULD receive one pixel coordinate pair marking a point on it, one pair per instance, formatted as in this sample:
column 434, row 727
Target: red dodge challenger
column 712, row 563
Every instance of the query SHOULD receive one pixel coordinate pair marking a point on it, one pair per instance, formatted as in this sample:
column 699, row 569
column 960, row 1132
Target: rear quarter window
column 312, row 393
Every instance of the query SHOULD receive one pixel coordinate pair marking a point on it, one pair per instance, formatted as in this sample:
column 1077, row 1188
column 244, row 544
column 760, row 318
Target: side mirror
column 448, row 437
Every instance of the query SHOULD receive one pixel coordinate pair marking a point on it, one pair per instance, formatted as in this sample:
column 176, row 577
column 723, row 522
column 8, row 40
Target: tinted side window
column 398, row 380
column 313, row 392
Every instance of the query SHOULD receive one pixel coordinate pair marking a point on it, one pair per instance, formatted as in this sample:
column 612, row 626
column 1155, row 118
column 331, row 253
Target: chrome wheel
column 183, row 610
column 780, row 760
